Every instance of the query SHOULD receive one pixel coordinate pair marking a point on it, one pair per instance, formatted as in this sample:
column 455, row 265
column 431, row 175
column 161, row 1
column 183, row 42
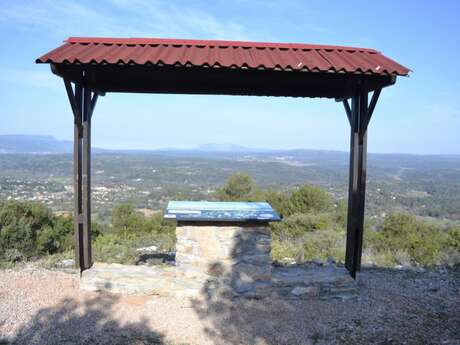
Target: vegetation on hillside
column 426, row 186
column 313, row 227
column 29, row 230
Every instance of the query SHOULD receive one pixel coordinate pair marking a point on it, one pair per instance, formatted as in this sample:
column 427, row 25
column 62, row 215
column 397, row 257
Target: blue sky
column 420, row 114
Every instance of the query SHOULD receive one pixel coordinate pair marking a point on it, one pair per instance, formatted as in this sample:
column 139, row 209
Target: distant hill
column 46, row 144
column 37, row 144
column 214, row 147
column 19, row 143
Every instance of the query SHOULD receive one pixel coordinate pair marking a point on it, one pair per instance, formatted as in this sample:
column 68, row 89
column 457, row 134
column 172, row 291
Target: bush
column 324, row 244
column 56, row 238
column 239, row 187
column 131, row 230
column 453, row 238
column 278, row 200
column 29, row 229
column 125, row 220
column 307, row 199
column 13, row 255
column 403, row 238
column 298, row 224
column 112, row 248
column 340, row 215
column 20, row 224
column 313, row 245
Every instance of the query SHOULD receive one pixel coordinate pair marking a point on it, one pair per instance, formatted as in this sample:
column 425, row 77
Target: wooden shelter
column 96, row 66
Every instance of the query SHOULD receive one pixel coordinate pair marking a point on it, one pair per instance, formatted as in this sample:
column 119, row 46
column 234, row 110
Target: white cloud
column 32, row 77
column 119, row 18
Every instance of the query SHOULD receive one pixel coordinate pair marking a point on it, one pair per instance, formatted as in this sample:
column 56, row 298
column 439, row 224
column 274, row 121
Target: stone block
column 238, row 255
column 309, row 291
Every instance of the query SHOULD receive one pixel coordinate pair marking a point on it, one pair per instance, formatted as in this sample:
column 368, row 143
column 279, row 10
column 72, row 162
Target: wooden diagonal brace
column 93, row 103
column 347, row 110
column 371, row 107
column 74, row 104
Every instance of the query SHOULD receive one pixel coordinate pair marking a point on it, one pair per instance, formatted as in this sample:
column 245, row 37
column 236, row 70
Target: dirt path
column 395, row 307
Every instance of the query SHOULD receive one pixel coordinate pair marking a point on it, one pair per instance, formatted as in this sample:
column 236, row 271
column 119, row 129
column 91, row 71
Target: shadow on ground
column 88, row 322
column 394, row 307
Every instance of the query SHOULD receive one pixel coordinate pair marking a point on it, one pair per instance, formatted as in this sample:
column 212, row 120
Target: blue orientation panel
column 221, row 211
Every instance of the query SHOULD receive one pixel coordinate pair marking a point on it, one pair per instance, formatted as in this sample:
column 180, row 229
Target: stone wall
column 312, row 281
column 235, row 259
column 223, row 261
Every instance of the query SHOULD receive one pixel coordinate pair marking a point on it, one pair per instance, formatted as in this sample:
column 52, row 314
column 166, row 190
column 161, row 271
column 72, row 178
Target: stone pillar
column 232, row 258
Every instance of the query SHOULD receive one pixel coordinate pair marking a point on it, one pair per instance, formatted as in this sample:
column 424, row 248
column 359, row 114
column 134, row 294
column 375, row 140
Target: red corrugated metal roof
column 229, row 54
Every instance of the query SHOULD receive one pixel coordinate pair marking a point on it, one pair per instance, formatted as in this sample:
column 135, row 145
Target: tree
column 56, row 238
column 20, row 224
column 277, row 199
column 126, row 220
column 308, row 198
column 239, row 187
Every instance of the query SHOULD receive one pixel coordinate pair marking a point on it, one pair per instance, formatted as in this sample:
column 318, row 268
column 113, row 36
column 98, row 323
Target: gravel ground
column 39, row 306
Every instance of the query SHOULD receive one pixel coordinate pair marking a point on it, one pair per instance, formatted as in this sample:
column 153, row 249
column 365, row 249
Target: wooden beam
column 352, row 188
column 370, row 110
column 357, row 181
column 219, row 81
column 76, row 109
column 77, row 166
column 93, row 103
column 86, row 179
column 347, row 109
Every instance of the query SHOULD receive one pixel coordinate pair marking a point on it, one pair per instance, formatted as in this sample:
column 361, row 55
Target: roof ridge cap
column 194, row 42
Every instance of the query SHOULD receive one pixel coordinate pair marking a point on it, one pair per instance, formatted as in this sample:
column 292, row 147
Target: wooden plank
column 352, row 187
column 361, row 202
column 362, row 162
column 86, row 179
column 357, row 183
column 77, row 156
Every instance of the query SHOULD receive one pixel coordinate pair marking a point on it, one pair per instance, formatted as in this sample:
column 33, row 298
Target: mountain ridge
column 47, row 144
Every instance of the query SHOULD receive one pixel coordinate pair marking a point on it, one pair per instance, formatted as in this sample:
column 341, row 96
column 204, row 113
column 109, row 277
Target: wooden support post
column 359, row 116
column 77, row 168
column 86, row 180
column 83, row 103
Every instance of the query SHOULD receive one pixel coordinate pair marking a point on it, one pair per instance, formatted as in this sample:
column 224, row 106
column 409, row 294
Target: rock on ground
column 42, row 307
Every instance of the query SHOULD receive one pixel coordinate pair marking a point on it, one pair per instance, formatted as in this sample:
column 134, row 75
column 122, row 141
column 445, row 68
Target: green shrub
column 13, row 255
column 298, row 224
column 56, row 238
column 313, row 245
column 323, row 245
column 20, row 236
column 112, row 248
column 421, row 242
column 277, row 199
column 308, row 198
column 20, row 224
column 281, row 249
column 29, row 229
column 239, row 187
column 453, row 238
column 131, row 230
column 340, row 214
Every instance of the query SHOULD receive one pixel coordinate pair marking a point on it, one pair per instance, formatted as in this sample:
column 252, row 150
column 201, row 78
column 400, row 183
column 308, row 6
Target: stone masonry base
column 290, row 282
column 222, row 260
